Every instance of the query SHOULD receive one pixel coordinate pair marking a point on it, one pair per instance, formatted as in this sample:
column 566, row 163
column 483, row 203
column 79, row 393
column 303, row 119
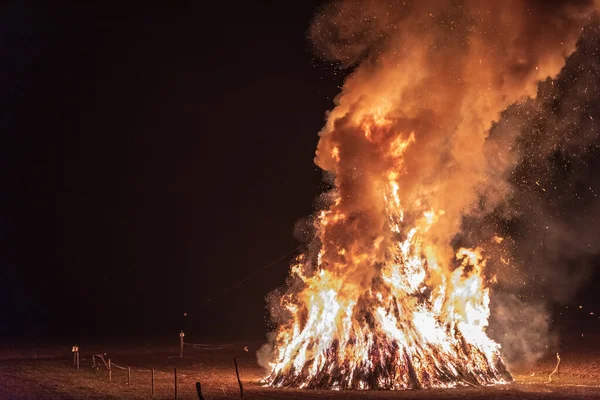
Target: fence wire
column 212, row 346
column 112, row 364
column 98, row 360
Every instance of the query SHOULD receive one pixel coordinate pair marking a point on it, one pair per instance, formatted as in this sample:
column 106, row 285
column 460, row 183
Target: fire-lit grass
column 48, row 373
column 56, row 379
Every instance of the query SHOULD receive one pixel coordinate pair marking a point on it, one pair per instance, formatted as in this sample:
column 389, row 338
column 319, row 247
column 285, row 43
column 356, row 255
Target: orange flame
column 414, row 325
column 383, row 300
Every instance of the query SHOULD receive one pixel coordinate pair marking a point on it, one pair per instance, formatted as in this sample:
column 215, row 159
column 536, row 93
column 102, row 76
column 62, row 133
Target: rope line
column 224, row 344
column 112, row 364
column 207, row 347
column 149, row 370
column 214, row 347
column 246, row 279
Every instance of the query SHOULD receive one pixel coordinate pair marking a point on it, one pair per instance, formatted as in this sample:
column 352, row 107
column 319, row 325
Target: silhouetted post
column 199, row 390
column 109, row 371
column 128, row 376
column 152, row 382
column 175, row 383
column 238, row 379
column 181, row 335
column 77, row 357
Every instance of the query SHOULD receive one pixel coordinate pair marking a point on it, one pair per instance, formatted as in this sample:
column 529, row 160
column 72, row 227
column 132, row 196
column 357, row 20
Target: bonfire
column 385, row 297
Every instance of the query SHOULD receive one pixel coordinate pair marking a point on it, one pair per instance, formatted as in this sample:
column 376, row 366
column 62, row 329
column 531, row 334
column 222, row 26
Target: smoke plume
column 444, row 71
column 445, row 103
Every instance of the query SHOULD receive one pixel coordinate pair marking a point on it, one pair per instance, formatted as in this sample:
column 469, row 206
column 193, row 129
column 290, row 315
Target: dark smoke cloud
column 553, row 210
column 555, row 207
column 351, row 31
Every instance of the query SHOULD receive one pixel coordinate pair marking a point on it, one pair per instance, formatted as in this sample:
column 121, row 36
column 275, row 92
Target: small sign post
column 181, row 336
column 75, row 351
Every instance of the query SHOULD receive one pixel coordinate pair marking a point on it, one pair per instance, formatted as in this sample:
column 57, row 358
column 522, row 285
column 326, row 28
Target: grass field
column 46, row 372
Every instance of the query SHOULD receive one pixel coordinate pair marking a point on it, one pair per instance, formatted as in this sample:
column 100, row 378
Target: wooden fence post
column 199, row 391
column 152, row 382
column 128, row 376
column 238, row 379
column 175, row 383
column 109, row 371
column 77, row 353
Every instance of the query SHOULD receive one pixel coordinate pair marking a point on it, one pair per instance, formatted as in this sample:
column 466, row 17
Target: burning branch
column 555, row 369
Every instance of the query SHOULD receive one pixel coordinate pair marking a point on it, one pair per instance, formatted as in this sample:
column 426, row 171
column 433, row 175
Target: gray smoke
column 552, row 212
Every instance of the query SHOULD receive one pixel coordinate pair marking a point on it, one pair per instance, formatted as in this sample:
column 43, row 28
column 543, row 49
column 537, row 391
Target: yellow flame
column 411, row 324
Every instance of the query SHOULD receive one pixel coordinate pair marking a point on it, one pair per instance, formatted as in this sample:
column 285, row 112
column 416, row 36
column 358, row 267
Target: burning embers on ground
column 383, row 299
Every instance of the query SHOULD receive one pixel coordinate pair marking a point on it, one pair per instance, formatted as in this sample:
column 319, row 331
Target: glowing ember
column 383, row 299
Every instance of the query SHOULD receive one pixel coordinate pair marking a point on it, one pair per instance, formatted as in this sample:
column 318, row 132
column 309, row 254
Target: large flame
column 384, row 299
column 412, row 326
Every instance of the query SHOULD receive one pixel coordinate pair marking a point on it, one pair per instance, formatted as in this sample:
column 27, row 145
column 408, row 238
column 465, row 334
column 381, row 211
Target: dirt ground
column 46, row 372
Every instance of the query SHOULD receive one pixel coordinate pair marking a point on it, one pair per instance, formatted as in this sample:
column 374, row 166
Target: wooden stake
column 77, row 353
column 152, row 382
column 199, row 391
column 238, row 379
column 175, row 383
column 128, row 376
column 109, row 371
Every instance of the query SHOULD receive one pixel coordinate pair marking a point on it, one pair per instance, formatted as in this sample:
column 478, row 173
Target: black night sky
column 152, row 157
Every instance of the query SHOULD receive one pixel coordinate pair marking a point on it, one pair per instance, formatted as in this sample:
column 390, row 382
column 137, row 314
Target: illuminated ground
column 46, row 372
